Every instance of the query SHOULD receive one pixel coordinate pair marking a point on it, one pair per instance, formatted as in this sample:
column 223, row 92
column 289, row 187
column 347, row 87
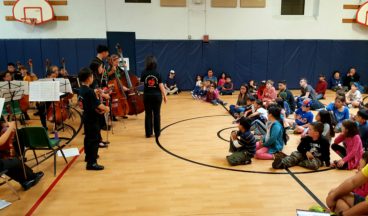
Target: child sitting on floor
column 321, row 87
column 260, row 90
column 241, row 104
column 212, row 96
column 228, row 87
column 313, row 151
column 269, row 94
column 197, row 89
column 340, row 112
column 221, row 81
column 303, row 117
column 354, row 97
column 352, row 151
column 242, row 141
column 252, row 87
column 275, row 139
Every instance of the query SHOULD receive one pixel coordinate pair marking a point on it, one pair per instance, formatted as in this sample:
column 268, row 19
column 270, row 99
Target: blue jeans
column 319, row 96
column 287, row 109
column 234, row 110
column 197, row 90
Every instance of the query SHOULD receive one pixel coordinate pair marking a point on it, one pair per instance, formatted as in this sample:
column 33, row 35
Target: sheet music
column 4, row 204
column 309, row 213
column 65, row 85
column 71, row 152
column 15, row 85
column 2, row 101
column 44, row 91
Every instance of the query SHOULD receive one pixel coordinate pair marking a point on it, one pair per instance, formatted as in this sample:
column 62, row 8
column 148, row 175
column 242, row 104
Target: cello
column 119, row 102
column 135, row 99
column 58, row 112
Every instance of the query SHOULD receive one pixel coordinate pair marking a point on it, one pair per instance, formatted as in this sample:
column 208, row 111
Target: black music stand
column 13, row 91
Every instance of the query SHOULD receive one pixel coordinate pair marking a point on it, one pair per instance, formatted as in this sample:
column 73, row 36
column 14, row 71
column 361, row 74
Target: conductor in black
column 154, row 92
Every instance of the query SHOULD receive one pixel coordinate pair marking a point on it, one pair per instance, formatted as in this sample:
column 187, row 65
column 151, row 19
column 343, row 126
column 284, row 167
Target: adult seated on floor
column 14, row 166
column 342, row 201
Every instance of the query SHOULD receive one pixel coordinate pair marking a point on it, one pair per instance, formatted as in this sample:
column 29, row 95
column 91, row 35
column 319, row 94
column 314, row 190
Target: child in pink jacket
column 352, row 150
column 269, row 93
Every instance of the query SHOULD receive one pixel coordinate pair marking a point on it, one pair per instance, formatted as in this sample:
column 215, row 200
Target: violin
column 135, row 99
column 7, row 150
column 65, row 72
column 119, row 102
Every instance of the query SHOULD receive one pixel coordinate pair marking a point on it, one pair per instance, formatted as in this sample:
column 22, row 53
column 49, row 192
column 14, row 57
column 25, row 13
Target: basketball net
column 30, row 21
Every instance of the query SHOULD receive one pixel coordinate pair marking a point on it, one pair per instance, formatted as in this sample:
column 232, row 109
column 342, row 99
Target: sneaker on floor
column 280, row 155
column 277, row 163
column 94, row 166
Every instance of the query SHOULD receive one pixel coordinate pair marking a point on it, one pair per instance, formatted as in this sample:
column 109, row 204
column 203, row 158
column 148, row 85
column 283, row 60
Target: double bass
column 119, row 102
column 135, row 99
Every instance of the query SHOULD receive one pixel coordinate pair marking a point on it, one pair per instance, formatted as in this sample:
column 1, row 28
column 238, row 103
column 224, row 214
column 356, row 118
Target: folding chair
column 6, row 181
column 38, row 139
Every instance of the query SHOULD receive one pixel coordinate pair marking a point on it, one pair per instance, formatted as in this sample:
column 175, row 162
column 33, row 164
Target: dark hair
column 335, row 72
column 209, row 69
column 102, row 48
column 251, row 98
column 363, row 113
column 22, row 67
column 150, row 63
column 275, row 111
column 282, row 82
column 11, row 64
column 84, row 74
column 322, row 75
column 245, row 122
column 351, row 127
column 326, row 119
column 280, row 103
column 340, row 98
column 246, row 86
column 4, row 74
column 94, row 66
column 317, row 126
column 259, row 102
column 197, row 77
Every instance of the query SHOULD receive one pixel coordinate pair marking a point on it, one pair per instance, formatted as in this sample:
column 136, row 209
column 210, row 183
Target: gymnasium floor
column 184, row 174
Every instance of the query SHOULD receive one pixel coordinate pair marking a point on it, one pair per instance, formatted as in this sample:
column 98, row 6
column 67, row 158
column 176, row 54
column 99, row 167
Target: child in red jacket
column 321, row 87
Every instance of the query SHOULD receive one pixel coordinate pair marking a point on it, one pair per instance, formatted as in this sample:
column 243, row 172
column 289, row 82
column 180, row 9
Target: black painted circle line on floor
column 222, row 130
column 218, row 167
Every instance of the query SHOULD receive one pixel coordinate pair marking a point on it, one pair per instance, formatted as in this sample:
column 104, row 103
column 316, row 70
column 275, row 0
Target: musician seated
column 63, row 73
column 14, row 166
column 7, row 76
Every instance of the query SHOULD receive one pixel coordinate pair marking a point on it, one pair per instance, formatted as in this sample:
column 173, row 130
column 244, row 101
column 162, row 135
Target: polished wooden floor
column 143, row 179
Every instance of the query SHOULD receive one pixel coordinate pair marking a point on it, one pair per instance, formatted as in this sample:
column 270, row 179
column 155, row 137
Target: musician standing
column 96, row 86
column 90, row 104
column 115, row 71
column 154, row 91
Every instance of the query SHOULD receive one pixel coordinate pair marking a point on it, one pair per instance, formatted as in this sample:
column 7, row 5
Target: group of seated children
column 209, row 89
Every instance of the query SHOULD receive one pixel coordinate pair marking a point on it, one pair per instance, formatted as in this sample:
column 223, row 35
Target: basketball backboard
column 33, row 12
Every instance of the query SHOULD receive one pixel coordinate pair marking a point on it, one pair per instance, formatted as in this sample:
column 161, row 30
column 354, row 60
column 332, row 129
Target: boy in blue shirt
column 303, row 116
